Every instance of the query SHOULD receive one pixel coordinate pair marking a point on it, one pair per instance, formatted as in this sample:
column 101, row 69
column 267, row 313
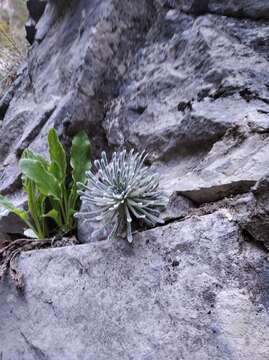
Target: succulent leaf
column 122, row 191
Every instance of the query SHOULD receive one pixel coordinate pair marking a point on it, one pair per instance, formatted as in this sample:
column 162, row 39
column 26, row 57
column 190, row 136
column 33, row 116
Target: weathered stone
column 176, row 88
column 189, row 86
column 72, row 102
column 189, row 290
column 186, row 89
column 252, row 213
column 70, row 88
column 196, row 97
column 192, row 6
column 36, row 9
column 30, row 28
column 178, row 207
column 258, row 9
column 228, row 169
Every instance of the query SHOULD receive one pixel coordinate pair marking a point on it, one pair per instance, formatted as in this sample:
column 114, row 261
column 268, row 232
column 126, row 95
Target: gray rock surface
column 36, row 9
column 192, row 90
column 67, row 82
column 258, row 9
column 189, row 290
column 252, row 212
column 197, row 98
column 188, row 81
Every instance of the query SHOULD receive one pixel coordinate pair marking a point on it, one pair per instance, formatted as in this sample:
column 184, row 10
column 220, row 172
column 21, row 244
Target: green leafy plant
column 121, row 191
column 51, row 190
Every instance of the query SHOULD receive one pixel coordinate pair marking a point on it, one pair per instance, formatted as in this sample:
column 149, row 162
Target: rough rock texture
column 197, row 99
column 189, row 290
column 187, row 80
column 192, row 90
column 258, row 9
column 67, row 82
column 36, row 9
column 252, row 212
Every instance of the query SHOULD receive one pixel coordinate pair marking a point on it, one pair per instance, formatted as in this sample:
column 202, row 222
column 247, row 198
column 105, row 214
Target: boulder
column 188, row 290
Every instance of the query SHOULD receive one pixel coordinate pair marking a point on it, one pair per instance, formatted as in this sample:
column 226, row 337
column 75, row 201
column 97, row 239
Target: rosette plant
column 51, row 186
column 122, row 191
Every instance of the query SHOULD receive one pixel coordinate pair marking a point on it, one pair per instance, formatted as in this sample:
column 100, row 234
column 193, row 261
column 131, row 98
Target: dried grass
column 10, row 59
column 9, row 254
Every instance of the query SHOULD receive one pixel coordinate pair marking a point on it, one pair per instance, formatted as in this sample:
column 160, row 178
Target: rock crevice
column 187, row 81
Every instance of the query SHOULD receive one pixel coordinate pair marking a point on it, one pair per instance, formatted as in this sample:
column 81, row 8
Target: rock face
column 13, row 14
column 258, row 9
column 189, row 290
column 67, row 82
column 188, row 81
column 36, row 9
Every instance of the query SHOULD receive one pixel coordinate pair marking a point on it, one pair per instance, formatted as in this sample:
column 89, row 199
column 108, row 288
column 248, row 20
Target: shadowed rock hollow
column 188, row 81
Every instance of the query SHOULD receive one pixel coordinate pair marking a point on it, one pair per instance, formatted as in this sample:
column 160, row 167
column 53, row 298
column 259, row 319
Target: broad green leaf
column 57, row 153
column 30, row 188
column 80, row 157
column 4, row 202
column 47, row 184
column 28, row 154
column 55, row 215
column 55, row 170
column 73, row 196
column 35, row 199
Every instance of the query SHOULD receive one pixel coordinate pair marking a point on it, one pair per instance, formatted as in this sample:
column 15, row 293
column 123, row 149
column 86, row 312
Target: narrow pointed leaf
column 80, row 157
column 56, row 171
column 57, row 154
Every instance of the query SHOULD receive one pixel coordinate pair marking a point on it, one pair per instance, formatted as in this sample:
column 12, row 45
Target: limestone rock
column 189, row 290
column 67, row 82
column 187, row 81
column 253, row 213
column 36, row 9
column 258, row 9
